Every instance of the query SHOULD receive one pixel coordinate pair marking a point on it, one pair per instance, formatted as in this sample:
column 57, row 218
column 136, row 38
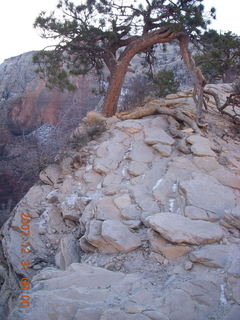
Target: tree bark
column 162, row 35
column 198, row 78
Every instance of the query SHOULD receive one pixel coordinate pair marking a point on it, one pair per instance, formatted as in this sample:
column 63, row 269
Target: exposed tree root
column 175, row 119
column 232, row 100
column 138, row 113
column 151, row 109
column 174, row 126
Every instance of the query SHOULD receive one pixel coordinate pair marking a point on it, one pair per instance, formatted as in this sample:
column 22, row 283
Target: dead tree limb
column 232, row 100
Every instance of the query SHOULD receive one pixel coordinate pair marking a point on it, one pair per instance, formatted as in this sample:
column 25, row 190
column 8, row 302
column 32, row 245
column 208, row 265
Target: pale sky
column 17, row 34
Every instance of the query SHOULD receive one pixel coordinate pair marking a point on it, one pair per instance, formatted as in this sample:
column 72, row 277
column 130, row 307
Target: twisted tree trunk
column 198, row 78
column 117, row 76
column 139, row 44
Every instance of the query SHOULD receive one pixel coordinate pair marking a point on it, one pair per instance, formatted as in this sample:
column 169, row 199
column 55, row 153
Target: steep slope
column 25, row 106
column 129, row 227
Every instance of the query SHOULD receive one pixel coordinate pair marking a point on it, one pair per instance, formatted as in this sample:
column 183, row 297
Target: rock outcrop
column 131, row 233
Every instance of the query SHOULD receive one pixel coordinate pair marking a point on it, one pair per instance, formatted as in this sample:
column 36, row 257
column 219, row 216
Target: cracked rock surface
column 139, row 231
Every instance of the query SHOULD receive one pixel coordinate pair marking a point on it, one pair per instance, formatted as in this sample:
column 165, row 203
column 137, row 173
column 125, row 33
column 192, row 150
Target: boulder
column 234, row 285
column 82, row 290
column 196, row 138
column 234, row 269
column 92, row 179
column 52, row 197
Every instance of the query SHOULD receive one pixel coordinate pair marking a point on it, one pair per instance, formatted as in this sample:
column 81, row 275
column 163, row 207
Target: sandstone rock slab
column 198, row 296
column 179, row 229
column 164, row 150
column 227, row 178
column 202, row 191
column 233, row 314
column 131, row 213
column 141, row 153
column 202, row 150
column 215, row 256
column 71, row 207
column 129, row 126
column 206, row 163
column 155, row 135
column 195, row 213
column 137, row 168
column 106, row 209
column 108, row 157
column 232, row 217
column 69, row 250
column 95, row 238
column 200, row 146
column 234, row 285
column 122, row 201
column 196, row 138
column 119, row 236
column 167, row 249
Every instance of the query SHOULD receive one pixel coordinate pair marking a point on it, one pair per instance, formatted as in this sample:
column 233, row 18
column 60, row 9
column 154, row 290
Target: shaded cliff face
column 28, row 103
column 25, row 106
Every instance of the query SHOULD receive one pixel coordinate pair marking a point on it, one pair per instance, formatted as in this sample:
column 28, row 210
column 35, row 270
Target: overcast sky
column 17, row 34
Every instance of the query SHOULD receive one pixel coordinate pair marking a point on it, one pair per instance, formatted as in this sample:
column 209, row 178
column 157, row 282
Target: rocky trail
column 128, row 227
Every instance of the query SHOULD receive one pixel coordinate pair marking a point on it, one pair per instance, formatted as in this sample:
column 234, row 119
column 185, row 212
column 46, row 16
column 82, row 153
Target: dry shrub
column 138, row 90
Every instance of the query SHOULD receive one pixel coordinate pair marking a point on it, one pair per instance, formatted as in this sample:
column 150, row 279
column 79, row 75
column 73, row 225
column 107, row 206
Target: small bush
column 164, row 83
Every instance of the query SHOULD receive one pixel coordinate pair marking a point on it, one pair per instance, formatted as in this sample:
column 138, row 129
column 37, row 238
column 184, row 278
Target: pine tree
column 220, row 56
column 90, row 35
